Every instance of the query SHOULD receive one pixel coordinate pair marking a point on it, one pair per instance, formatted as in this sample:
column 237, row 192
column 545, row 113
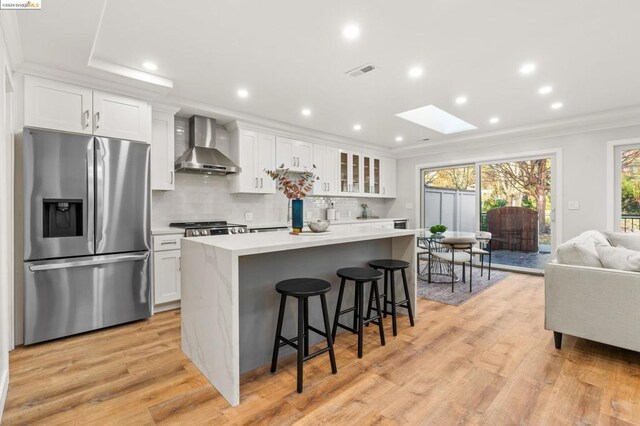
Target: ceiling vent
column 361, row 70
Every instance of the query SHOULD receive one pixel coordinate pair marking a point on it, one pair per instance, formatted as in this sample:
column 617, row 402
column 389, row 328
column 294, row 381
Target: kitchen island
column 229, row 302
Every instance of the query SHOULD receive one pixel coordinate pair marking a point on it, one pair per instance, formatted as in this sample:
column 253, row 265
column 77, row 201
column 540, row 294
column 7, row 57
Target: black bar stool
column 360, row 276
column 390, row 266
column 302, row 289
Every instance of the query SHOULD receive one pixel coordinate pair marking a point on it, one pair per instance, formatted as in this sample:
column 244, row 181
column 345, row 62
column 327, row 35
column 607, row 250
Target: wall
column 584, row 171
column 203, row 197
column 6, row 221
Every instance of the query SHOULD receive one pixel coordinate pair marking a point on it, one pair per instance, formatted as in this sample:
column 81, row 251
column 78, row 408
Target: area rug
column 441, row 291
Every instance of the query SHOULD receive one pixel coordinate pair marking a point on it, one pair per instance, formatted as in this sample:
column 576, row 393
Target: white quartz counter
column 266, row 242
column 166, row 230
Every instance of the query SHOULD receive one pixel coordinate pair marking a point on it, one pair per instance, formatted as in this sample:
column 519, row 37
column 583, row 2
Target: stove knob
column 204, row 232
column 242, row 230
column 232, row 230
column 195, row 233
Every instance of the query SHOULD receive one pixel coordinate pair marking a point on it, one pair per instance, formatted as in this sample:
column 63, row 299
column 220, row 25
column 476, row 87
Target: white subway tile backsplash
column 204, row 197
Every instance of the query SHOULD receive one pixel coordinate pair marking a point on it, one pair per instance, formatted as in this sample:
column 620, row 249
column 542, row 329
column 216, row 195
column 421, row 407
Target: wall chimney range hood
column 202, row 155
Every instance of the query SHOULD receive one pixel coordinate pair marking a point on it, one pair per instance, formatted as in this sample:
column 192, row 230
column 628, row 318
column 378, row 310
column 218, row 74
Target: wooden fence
column 513, row 228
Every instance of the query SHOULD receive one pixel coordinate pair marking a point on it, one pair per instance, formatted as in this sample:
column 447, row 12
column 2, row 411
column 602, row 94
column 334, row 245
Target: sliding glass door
column 627, row 197
column 511, row 199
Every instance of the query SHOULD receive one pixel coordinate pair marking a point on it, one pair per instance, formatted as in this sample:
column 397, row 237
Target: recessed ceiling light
column 527, row 68
column 461, row 100
column 351, row 31
column 557, row 105
column 357, row 127
column 150, row 66
column 399, row 138
column 545, row 90
column 243, row 93
column 416, row 72
column 494, row 120
column 434, row 118
column 306, row 111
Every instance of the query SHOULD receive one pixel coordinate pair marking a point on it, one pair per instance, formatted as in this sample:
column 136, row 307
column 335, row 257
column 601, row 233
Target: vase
column 297, row 216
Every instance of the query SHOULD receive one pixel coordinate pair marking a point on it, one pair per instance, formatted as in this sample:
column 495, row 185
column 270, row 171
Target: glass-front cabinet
column 371, row 170
column 351, row 175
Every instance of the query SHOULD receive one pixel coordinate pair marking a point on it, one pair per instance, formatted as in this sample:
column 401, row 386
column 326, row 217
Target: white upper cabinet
column 162, row 150
column 388, row 178
column 293, row 154
column 350, row 173
column 120, row 117
column 371, row 167
column 61, row 106
column 55, row 105
column 325, row 158
column 253, row 152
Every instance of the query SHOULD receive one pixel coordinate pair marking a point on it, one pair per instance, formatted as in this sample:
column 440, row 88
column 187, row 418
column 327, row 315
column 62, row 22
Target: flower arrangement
column 293, row 187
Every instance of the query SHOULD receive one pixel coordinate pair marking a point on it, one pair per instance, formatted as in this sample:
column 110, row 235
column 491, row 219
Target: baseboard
column 166, row 307
column 4, row 387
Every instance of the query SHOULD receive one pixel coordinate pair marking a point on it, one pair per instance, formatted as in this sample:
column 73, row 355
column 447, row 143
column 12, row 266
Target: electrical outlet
column 408, row 206
column 248, row 216
column 573, row 205
column 309, row 215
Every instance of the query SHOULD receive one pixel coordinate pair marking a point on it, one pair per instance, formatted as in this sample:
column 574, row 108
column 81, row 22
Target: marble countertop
column 247, row 244
column 348, row 221
column 166, row 230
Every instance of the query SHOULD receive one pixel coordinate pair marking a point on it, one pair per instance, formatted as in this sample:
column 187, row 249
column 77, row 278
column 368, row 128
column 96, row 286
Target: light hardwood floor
column 487, row 362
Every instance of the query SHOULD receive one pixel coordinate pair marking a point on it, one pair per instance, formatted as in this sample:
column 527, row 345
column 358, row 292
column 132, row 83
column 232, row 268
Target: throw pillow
column 578, row 253
column 619, row 258
column 630, row 240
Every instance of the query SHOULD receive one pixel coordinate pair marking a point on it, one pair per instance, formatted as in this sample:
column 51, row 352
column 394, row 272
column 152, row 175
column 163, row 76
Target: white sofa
column 585, row 299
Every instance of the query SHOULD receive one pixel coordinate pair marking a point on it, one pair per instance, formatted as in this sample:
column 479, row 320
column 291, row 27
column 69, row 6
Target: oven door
column 69, row 296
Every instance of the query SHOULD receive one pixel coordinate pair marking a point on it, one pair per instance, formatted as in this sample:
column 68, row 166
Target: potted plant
column 438, row 229
column 295, row 187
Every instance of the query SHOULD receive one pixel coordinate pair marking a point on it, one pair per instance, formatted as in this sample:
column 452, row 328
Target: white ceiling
column 290, row 54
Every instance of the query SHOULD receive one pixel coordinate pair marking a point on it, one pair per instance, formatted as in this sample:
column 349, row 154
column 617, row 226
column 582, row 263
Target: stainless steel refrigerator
column 86, row 233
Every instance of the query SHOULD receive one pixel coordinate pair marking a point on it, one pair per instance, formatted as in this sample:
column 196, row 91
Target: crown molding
column 106, row 81
column 232, row 119
column 610, row 119
column 12, row 40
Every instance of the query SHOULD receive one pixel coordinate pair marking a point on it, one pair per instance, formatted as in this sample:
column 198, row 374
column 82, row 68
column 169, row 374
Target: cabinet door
column 320, row 186
column 331, row 170
column 121, row 117
column 247, row 147
column 303, row 154
column 265, row 159
column 376, row 177
column 284, row 153
column 162, row 151
column 367, row 166
column 54, row 105
column 166, row 276
column 356, row 173
column 388, row 175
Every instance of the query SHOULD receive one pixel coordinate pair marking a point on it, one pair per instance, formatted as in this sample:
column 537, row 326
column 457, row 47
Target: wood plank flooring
column 488, row 361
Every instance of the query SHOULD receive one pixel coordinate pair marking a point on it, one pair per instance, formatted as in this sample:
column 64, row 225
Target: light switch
column 408, row 206
column 573, row 205
column 248, row 216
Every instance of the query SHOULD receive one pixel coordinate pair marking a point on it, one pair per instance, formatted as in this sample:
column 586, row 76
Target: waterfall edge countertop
column 229, row 305
column 337, row 222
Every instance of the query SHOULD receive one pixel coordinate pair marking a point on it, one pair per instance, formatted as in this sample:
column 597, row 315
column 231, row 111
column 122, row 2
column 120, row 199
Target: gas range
column 203, row 229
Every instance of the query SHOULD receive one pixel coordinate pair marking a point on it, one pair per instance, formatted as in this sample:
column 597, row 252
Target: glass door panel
column 344, row 172
column 376, row 176
column 367, row 175
column 356, row 172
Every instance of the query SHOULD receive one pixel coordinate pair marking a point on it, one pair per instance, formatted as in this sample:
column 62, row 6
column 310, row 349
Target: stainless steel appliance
column 86, row 233
column 400, row 224
column 204, row 229
column 202, row 155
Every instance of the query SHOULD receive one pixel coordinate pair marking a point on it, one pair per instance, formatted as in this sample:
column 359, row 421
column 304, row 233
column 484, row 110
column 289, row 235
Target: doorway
column 511, row 198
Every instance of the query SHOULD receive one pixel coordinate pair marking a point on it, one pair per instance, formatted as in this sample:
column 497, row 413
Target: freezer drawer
column 69, row 296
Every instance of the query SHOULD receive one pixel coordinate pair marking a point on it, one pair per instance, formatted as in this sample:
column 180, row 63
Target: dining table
column 436, row 270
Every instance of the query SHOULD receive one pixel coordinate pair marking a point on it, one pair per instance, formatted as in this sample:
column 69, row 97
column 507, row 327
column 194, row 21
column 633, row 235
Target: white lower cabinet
column 166, row 268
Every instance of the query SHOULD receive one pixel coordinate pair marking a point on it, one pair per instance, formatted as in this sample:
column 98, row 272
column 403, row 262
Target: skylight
column 436, row 119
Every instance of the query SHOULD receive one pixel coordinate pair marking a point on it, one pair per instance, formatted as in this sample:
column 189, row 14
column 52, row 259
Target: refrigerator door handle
column 100, row 183
column 90, row 199
column 93, row 262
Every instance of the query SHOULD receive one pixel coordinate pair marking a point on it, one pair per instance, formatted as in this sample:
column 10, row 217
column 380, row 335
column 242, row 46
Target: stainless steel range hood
column 202, row 155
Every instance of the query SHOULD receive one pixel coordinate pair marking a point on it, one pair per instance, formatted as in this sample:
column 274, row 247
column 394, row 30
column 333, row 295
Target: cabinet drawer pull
column 256, row 182
column 98, row 120
column 164, row 243
column 261, row 183
column 85, row 119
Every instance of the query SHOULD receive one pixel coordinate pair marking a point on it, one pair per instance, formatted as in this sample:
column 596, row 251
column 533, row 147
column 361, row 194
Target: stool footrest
column 289, row 342
column 346, row 311
column 315, row 330
column 315, row 354
column 346, row 327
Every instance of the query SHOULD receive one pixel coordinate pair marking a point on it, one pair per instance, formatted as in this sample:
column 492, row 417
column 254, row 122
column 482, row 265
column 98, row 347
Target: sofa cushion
column 620, row 258
column 630, row 240
column 581, row 250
